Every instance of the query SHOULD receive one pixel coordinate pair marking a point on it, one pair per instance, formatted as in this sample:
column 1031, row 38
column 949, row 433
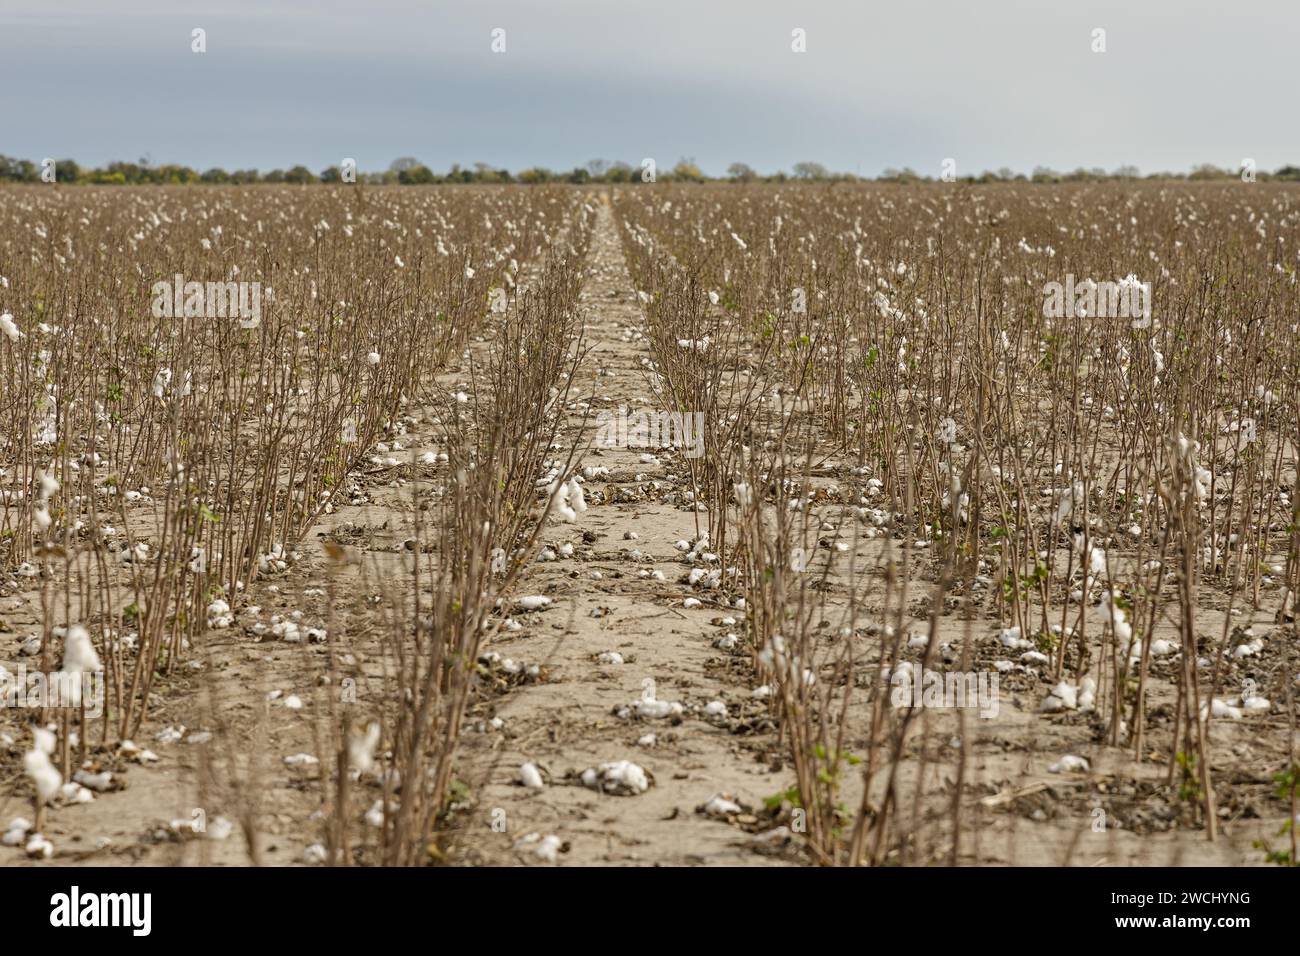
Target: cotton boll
column 530, row 777
column 656, row 709
column 1221, row 708
column 1068, row 695
column 16, row 833
column 361, row 748
column 1010, row 637
column 715, row 708
column 720, row 806
column 1087, row 694
column 8, row 328
column 533, row 602
column 1069, row 764
column 315, row 854
column 79, row 655
column 36, row 762
column 100, row 782
column 619, row 777
column 549, row 848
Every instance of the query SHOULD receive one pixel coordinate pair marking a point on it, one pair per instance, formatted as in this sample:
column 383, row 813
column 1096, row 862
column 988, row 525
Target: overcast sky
column 990, row 83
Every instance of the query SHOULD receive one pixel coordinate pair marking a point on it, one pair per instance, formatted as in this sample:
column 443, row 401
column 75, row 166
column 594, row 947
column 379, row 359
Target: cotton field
column 732, row 524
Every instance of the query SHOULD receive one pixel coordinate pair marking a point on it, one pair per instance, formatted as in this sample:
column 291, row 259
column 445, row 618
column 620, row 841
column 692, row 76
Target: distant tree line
column 410, row 171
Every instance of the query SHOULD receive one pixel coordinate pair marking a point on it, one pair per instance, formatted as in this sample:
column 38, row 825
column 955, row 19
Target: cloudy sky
column 991, row 83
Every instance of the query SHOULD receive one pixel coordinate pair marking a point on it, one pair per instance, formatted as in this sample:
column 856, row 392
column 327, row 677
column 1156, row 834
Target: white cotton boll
column 715, row 708
column 1162, row 647
column 719, row 806
column 1221, row 708
column 619, row 777
column 220, row 828
column 315, row 853
column 373, row 358
column 656, row 709
column 43, row 740
column 79, row 655
column 100, row 782
column 161, row 381
column 74, row 793
column 576, row 498
column 1255, row 705
column 16, row 833
column 1069, row 764
column 548, row 849
column 36, row 762
column 1010, row 637
column 533, row 602
column 39, row 848
column 610, row 658
column 41, row 518
column 691, row 602
column 744, row 494
column 1067, row 694
column 361, row 748
column 946, row 432
column 1087, row 694
column 531, row 777
column 1248, row 650
column 8, row 327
